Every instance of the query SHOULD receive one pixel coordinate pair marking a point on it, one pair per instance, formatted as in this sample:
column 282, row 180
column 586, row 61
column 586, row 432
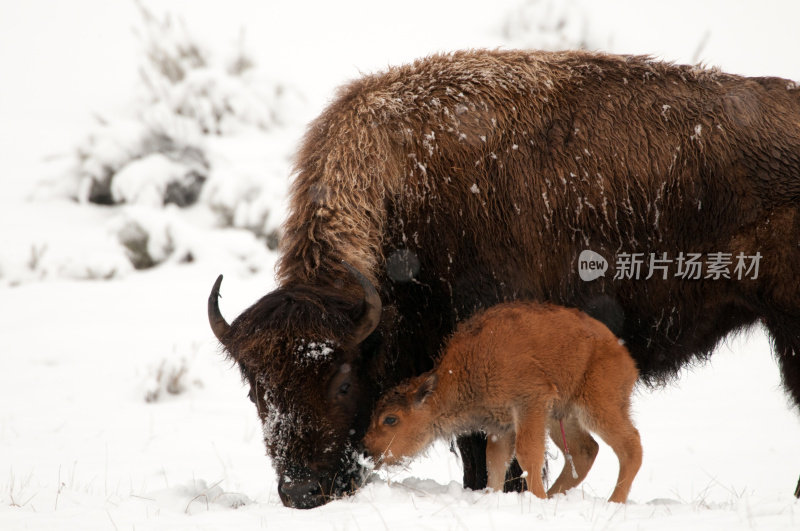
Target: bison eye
column 344, row 388
column 390, row 420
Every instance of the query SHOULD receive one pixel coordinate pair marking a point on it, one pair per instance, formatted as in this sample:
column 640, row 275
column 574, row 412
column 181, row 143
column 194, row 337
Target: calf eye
column 390, row 420
column 344, row 388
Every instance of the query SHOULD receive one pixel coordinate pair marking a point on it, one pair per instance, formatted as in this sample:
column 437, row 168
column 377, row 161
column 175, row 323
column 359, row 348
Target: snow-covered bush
column 180, row 77
column 220, row 103
column 136, row 161
column 147, row 237
column 202, row 133
column 188, row 102
column 154, row 236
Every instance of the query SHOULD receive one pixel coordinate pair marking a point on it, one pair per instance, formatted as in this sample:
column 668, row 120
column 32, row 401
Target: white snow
column 318, row 351
column 118, row 409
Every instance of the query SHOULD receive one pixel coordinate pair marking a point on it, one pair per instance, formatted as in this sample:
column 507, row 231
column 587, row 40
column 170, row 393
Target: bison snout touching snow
column 514, row 371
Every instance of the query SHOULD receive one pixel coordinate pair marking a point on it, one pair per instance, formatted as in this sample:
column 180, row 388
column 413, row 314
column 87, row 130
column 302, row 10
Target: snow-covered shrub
column 181, row 77
column 135, row 161
column 187, row 102
column 155, row 180
column 151, row 237
column 551, row 25
column 142, row 250
column 154, row 236
column 153, row 155
column 246, row 188
column 202, row 132
column 220, row 103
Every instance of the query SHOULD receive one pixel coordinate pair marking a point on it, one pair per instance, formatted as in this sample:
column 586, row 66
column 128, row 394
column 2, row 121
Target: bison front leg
column 473, row 457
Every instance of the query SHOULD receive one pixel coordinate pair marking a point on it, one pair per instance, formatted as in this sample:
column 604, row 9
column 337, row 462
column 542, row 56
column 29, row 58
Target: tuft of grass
column 16, row 491
column 171, row 377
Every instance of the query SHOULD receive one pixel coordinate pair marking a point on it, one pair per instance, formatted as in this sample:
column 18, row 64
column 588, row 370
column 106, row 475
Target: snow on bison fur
column 467, row 179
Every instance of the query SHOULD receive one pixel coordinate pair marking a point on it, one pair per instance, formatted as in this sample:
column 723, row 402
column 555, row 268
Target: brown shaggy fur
column 512, row 371
column 483, row 175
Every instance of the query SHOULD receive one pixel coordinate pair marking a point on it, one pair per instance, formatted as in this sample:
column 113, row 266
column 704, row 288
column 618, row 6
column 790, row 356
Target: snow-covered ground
column 117, row 409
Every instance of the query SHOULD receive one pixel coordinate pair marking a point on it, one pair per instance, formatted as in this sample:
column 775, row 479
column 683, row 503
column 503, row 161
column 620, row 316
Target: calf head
column 402, row 424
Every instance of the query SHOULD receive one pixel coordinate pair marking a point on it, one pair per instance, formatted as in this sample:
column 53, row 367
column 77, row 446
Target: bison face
column 312, row 431
column 299, row 348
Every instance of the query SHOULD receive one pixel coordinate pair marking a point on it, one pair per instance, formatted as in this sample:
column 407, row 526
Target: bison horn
column 372, row 306
column 218, row 323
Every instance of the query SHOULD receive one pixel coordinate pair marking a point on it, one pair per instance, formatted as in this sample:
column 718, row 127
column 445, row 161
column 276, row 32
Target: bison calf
column 513, row 371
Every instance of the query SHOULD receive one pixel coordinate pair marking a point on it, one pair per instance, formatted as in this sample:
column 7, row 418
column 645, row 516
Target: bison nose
column 302, row 493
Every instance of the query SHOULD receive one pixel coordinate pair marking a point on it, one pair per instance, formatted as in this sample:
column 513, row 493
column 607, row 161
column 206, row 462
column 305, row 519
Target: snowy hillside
column 128, row 186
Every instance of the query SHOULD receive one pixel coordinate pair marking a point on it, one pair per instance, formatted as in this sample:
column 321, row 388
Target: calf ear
column 426, row 388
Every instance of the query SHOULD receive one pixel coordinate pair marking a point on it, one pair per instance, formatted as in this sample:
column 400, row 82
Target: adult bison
column 470, row 178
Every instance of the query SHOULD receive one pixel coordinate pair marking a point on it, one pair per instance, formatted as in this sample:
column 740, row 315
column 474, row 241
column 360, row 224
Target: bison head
column 304, row 352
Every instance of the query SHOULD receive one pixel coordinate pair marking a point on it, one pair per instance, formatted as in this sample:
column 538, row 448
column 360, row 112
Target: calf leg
column 499, row 450
column 606, row 407
column 620, row 434
column 582, row 447
column 530, row 448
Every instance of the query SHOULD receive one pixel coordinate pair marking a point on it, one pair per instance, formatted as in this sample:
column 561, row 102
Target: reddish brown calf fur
column 513, row 371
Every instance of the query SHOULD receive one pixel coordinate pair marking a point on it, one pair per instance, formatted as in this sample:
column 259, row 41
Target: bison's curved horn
column 218, row 323
column 372, row 306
